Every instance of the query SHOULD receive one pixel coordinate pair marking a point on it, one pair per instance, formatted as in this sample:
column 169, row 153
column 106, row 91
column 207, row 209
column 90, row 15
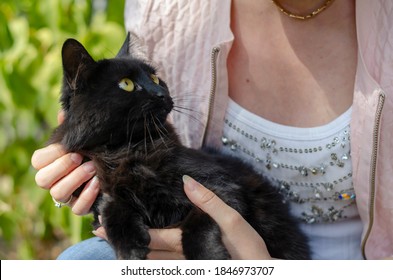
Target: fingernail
column 189, row 183
column 89, row 167
column 77, row 158
column 97, row 233
column 93, row 184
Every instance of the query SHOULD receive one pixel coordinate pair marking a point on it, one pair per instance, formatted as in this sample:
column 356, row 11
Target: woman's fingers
column 81, row 205
column 65, row 187
column 52, row 171
column 166, row 240
column 208, row 202
column 241, row 240
column 60, row 117
column 100, row 232
column 165, row 244
column 62, row 173
column 45, row 156
column 72, row 180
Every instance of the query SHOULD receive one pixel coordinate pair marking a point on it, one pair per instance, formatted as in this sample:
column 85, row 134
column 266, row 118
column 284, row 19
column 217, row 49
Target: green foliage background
column 31, row 36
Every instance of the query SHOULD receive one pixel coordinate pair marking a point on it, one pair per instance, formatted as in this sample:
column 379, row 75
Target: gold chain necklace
column 310, row 15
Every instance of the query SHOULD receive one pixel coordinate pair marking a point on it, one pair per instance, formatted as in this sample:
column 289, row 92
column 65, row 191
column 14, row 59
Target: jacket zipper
column 373, row 167
column 214, row 54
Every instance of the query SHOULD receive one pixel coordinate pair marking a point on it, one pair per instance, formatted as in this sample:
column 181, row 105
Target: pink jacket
column 190, row 40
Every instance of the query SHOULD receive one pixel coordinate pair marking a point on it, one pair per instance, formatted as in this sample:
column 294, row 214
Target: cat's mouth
column 159, row 109
column 167, row 108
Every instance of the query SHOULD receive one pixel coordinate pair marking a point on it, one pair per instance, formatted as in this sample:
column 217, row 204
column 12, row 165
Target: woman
column 309, row 80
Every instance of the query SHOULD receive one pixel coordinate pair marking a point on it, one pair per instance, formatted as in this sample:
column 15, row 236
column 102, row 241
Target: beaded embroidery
column 314, row 193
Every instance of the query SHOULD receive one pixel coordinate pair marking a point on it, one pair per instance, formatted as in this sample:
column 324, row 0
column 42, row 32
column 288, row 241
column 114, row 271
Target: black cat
column 115, row 114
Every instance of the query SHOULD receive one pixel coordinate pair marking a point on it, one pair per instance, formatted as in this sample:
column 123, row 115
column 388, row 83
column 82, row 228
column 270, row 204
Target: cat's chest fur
column 149, row 177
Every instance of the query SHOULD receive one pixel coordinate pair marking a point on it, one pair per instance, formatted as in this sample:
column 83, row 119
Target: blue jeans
column 94, row 248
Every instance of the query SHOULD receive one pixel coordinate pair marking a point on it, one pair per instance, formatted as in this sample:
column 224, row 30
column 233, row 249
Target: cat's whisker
column 162, row 127
column 128, row 135
column 157, row 129
column 128, row 121
column 161, row 134
column 186, row 109
column 192, row 95
column 163, row 130
column 190, row 115
column 189, row 96
column 151, row 137
column 192, row 112
column 145, row 136
column 130, row 138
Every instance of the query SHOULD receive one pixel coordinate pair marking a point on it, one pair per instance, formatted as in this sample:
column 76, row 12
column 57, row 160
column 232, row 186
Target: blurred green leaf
column 31, row 36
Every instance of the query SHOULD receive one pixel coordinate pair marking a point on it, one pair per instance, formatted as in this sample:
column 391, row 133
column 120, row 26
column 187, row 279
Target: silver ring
column 59, row 204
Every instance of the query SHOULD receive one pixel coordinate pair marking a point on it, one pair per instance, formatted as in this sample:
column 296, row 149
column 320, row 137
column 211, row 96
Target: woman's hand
column 62, row 173
column 240, row 239
column 238, row 236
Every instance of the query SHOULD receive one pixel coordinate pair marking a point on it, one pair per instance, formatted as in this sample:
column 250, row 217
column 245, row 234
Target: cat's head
column 110, row 101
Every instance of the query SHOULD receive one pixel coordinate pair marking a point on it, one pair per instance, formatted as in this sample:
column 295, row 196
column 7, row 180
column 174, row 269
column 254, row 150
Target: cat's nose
column 161, row 93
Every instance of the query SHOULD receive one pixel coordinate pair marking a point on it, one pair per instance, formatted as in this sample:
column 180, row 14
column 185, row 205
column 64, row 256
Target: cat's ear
column 76, row 62
column 133, row 47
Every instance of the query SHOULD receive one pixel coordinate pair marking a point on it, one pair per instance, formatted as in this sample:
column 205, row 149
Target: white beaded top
column 311, row 167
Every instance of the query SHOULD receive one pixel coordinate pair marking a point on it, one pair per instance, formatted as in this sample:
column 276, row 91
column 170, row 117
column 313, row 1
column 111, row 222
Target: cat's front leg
column 126, row 230
column 201, row 238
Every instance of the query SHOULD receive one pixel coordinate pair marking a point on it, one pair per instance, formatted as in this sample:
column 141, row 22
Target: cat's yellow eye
column 155, row 79
column 126, row 84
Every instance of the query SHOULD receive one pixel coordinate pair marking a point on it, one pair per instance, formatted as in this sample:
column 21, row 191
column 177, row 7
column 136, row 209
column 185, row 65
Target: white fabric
column 311, row 167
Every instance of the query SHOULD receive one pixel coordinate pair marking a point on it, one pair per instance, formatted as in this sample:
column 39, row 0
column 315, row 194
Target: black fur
column 140, row 163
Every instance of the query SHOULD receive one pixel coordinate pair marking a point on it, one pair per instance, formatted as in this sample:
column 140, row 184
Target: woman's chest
column 297, row 74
